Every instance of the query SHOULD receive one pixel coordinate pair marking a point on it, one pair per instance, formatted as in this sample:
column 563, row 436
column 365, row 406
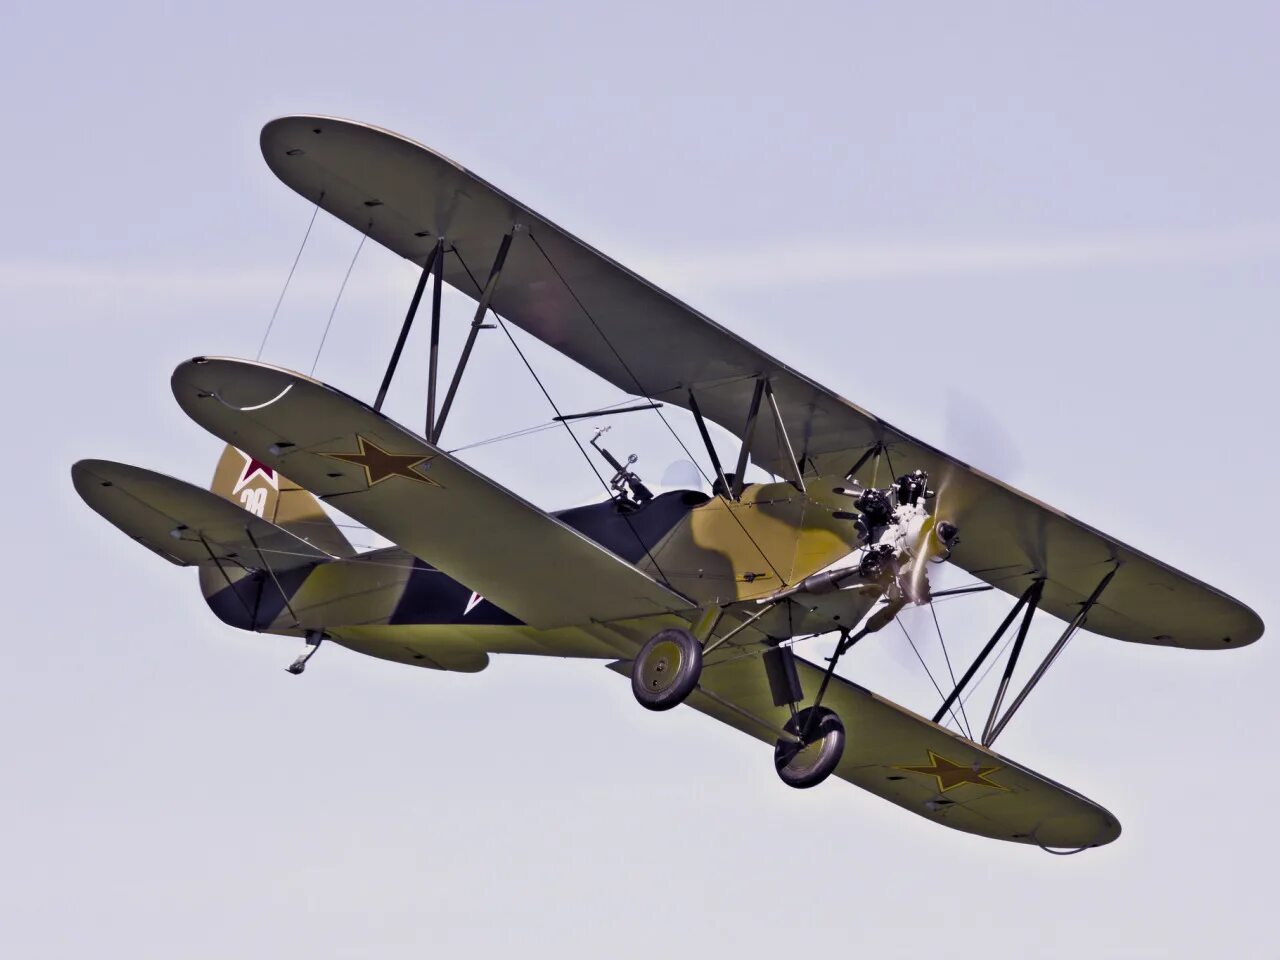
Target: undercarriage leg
column 846, row 641
column 815, row 753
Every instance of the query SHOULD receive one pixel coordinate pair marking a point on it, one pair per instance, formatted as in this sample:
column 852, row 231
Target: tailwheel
column 808, row 763
column 666, row 669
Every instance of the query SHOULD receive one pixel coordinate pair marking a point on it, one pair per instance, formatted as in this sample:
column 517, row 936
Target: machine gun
column 626, row 482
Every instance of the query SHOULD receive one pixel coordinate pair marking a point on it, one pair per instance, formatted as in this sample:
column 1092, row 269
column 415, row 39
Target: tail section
column 257, row 488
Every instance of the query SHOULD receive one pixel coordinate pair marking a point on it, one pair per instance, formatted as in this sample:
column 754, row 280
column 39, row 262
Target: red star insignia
column 253, row 467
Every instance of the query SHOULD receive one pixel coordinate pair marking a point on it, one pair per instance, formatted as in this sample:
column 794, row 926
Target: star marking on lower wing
column 380, row 465
column 951, row 775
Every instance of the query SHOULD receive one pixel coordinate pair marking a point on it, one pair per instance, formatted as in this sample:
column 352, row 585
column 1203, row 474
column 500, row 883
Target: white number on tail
column 254, row 500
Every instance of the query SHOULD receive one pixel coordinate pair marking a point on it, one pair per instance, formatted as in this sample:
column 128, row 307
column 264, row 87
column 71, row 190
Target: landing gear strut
column 314, row 638
column 813, row 738
column 814, row 741
column 666, row 669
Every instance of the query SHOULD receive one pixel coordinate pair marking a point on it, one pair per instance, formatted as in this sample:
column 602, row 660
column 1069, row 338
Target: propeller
column 975, row 435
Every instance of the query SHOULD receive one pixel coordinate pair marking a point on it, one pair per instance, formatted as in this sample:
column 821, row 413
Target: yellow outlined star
column 379, row 465
column 951, row 775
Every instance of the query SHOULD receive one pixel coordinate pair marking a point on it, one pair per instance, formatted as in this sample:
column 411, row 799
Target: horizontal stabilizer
column 518, row 557
column 186, row 524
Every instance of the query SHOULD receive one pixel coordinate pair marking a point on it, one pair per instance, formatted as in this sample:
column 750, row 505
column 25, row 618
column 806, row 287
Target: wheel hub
column 666, row 669
column 661, row 667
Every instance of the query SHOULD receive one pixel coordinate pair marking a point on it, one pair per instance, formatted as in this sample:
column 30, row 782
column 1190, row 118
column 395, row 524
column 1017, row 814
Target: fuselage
column 391, row 604
column 393, row 588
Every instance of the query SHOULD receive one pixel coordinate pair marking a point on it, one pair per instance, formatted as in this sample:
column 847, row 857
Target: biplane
column 698, row 597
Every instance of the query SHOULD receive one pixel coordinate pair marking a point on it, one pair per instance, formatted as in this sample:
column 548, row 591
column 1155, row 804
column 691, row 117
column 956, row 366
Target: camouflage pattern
column 390, row 604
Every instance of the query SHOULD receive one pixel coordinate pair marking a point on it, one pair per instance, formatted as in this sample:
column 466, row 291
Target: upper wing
column 646, row 342
column 371, row 468
column 910, row 761
column 184, row 523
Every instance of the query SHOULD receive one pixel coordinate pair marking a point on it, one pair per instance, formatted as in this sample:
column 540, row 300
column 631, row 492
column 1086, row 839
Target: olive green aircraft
column 699, row 598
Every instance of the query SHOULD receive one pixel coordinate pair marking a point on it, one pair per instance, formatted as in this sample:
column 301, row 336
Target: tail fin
column 260, row 490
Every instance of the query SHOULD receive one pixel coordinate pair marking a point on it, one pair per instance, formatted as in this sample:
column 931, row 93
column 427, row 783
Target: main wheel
column 808, row 764
column 666, row 669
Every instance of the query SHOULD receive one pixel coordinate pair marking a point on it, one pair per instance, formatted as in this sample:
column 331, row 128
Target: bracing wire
column 578, row 443
column 500, row 438
column 338, row 298
column 289, row 279
column 645, row 393
column 927, row 671
column 990, row 666
column 527, row 431
column 947, row 657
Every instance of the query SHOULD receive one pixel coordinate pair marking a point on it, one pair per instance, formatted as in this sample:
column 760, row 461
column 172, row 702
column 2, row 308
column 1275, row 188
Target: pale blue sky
column 1066, row 216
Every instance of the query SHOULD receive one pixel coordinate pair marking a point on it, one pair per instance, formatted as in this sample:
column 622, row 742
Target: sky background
column 1047, row 240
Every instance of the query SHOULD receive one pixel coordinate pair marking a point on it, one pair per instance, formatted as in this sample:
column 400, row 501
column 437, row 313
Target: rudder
column 257, row 488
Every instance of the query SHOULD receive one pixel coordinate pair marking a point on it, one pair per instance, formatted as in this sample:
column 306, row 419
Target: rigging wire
column 964, row 698
column 513, row 435
column 947, row 657
column 644, row 393
column 927, row 671
column 994, row 660
column 527, row 431
column 578, row 443
column 287, row 280
column 338, row 298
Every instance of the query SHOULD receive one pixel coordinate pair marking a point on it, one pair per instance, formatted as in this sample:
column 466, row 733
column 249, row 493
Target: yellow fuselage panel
column 727, row 550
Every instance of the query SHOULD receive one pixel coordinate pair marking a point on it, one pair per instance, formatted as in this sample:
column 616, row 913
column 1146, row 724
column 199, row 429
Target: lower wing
column 910, row 761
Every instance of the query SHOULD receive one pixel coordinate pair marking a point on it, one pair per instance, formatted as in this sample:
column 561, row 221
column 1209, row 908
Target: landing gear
column 813, row 750
column 314, row 638
column 666, row 669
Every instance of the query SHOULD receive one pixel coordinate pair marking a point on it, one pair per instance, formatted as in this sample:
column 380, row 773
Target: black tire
column 666, row 669
column 803, row 766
